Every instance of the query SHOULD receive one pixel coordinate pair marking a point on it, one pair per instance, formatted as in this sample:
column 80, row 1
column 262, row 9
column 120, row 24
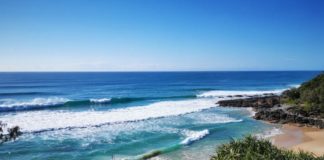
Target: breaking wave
column 8, row 105
column 224, row 93
column 102, row 100
column 194, row 136
column 39, row 121
column 43, row 103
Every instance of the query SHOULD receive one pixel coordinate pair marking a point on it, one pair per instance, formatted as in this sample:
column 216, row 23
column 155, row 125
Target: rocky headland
column 303, row 106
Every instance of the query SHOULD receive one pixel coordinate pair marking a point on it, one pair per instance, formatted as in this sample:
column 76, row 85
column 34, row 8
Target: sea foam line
column 51, row 120
column 269, row 133
column 223, row 93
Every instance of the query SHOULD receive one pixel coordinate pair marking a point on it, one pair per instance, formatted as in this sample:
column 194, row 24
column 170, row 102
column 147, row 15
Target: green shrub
column 151, row 155
column 251, row 148
column 292, row 94
column 313, row 91
column 309, row 97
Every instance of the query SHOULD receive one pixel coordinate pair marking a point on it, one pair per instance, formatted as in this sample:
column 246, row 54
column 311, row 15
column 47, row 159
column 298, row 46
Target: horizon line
column 162, row 71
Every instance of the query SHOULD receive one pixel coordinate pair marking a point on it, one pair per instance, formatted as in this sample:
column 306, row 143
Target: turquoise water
column 124, row 115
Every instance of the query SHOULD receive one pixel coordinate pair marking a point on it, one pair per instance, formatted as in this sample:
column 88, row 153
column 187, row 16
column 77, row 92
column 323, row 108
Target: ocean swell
column 10, row 104
column 7, row 105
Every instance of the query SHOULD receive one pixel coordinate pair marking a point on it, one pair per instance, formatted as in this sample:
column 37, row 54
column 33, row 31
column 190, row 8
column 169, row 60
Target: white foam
column 294, row 85
column 220, row 93
column 102, row 100
column 194, row 136
column 38, row 102
column 46, row 120
column 269, row 133
column 109, row 133
column 211, row 118
column 251, row 111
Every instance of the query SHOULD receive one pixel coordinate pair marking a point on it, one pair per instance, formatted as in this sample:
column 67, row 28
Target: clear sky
column 161, row 35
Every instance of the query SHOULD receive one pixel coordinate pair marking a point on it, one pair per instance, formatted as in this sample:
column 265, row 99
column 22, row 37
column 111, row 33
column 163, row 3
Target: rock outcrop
column 269, row 108
column 283, row 116
column 255, row 102
column 12, row 133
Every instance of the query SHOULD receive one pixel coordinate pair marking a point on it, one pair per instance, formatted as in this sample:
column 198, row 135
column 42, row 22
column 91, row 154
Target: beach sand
column 301, row 138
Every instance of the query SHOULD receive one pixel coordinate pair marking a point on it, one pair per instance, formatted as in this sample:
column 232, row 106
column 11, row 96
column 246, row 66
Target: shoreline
column 298, row 138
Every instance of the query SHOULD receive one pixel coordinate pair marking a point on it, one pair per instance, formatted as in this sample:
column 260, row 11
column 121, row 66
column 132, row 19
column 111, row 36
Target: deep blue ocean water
column 125, row 115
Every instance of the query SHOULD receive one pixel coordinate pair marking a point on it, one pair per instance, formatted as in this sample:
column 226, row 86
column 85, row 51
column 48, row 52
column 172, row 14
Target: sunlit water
column 129, row 115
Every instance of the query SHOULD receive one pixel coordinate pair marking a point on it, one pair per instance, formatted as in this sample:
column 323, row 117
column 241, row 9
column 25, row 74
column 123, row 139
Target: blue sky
column 161, row 35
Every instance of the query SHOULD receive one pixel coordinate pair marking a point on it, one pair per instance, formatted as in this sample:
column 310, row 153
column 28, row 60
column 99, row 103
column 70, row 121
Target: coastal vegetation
column 308, row 99
column 251, row 147
column 151, row 155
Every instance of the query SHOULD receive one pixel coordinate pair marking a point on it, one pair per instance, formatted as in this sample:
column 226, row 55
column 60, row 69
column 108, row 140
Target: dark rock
column 268, row 107
column 264, row 102
column 281, row 116
column 13, row 133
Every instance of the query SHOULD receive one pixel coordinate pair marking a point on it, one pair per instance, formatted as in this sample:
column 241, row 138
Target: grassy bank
column 308, row 99
column 250, row 148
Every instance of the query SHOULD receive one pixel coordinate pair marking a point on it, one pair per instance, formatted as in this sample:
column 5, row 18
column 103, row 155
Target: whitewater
column 43, row 120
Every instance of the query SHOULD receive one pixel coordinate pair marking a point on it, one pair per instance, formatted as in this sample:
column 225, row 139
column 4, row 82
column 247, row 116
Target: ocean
column 129, row 115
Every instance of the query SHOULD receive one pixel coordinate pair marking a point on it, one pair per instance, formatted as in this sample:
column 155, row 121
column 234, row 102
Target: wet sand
column 301, row 138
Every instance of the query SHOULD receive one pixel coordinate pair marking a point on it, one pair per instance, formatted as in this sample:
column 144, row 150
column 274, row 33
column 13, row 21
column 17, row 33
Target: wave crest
column 222, row 93
column 194, row 136
column 36, row 102
column 7, row 105
column 102, row 100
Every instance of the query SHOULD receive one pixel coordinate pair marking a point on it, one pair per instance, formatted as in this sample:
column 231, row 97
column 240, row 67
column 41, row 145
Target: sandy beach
column 301, row 138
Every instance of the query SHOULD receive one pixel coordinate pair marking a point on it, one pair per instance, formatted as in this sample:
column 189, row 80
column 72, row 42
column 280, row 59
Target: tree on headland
column 308, row 98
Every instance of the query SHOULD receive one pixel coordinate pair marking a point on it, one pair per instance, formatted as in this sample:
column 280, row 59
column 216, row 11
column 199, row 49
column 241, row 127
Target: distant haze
column 161, row 35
